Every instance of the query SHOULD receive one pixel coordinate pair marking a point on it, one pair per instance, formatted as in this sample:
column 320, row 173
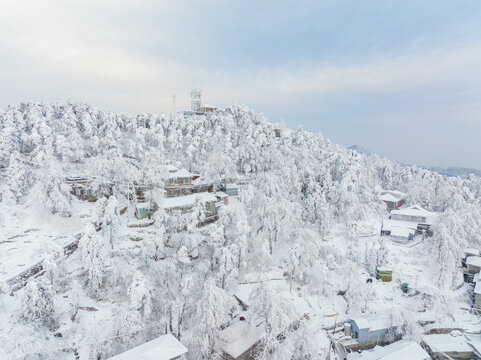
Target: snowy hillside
column 104, row 244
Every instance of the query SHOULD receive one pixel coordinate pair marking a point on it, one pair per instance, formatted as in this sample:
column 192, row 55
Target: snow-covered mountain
column 295, row 246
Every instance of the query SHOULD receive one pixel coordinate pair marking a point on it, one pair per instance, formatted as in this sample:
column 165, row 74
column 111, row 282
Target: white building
column 406, row 222
column 445, row 346
column 415, row 214
column 393, row 198
column 165, row 347
column 400, row 350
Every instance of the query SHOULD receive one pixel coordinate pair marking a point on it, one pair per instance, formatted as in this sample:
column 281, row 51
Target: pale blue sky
column 402, row 78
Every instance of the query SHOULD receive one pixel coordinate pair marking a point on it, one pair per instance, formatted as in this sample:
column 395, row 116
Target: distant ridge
column 452, row 171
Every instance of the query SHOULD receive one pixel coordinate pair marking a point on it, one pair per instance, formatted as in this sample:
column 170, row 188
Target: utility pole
column 173, row 102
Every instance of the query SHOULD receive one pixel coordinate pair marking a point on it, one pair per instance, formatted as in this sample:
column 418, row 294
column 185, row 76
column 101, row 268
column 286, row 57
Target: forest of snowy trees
column 304, row 202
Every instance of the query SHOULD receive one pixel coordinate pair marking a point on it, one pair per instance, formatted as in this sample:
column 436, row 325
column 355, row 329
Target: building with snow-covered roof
column 181, row 177
column 88, row 189
column 472, row 267
column 398, row 230
column 448, row 346
column 471, row 263
column 184, row 203
column 371, row 328
column 399, row 350
column 145, row 209
column 238, row 341
column 407, row 222
column 165, row 347
column 393, row 199
column 171, row 168
column 232, row 189
column 414, row 213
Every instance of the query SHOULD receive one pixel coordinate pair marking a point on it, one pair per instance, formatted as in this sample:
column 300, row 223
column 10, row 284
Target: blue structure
column 365, row 330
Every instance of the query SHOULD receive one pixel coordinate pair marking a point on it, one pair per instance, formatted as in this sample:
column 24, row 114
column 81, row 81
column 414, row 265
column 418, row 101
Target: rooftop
column 182, row 173
column 447, row 342
column 390, row 197
column 474, row 261
column 400, row 350
column 165, row 347
column 188, row 200
column 373, row 322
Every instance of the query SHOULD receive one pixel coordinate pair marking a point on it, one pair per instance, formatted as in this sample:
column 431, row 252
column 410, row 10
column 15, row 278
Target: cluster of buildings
column 405, row 222
column 181, row 191
column 370, row 333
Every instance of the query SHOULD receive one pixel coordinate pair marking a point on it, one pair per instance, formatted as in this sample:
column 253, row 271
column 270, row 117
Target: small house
column 88, row 189
column 399, row 231
column 184, row 203
column 468, row 252
column 448, row 346
column 239, row 340
column 277, row 132
column 415, row 214
column 473, row 264
column 405, row 223
column 165, row 347
column 145, row 209
column 222, row 197
column 393, row 199
column 232, row 189
column 384, row 273
column 402, row 349
column 181, row 177
column 371, row 329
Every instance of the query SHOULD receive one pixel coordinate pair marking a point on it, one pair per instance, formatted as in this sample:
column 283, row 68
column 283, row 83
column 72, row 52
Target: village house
column 145, row 209
column 88, row 189
column 242, row 337
column 180, row 177
column 371, row 329
column 407, row 222
column 185, row 203
column 402, row 349
column 449, row 346
column 165, row 347
column 468, row 252
column 393, row 199
column 473, row 267
column 415, row 214
column 232, row 189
